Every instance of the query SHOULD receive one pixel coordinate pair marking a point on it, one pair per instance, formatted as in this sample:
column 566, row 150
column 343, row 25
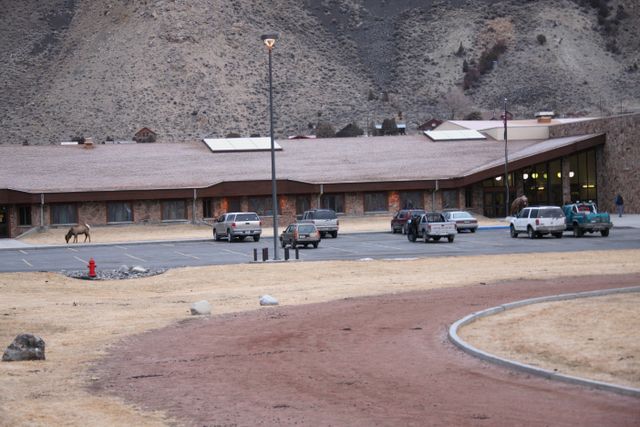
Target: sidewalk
column 181, row 232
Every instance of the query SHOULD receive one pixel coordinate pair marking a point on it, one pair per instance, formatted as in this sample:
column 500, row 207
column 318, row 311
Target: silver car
column 300, row 234
column 239, row 225
column 464, row 220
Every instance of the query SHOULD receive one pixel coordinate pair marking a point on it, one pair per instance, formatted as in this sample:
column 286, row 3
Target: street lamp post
column 270, row 41
column 506, row 164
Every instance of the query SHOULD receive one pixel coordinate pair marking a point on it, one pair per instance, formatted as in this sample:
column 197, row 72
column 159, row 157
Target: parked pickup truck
column 584, row 217
column 325, row 220
column 431, row 225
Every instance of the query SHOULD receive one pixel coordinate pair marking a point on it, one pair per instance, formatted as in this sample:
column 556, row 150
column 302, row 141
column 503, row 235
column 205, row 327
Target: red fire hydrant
column 92, row 268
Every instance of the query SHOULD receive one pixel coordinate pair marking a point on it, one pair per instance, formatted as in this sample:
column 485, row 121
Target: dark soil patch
column 360, row 362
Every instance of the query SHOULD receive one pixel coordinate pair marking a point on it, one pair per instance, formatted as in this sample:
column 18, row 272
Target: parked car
column 537, row 221
column 584, row 218
column 399, row 220
column 464, row 220
column 304, row 233
column 430, row 225
column 325, row 220
column 237, row 225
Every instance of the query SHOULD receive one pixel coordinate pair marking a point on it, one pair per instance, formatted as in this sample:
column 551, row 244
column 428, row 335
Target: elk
column 518, row 204
column 78, row 229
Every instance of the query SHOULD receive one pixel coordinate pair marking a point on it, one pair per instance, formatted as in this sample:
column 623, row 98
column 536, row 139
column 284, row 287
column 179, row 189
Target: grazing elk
column 78, row 229
column 518, row 204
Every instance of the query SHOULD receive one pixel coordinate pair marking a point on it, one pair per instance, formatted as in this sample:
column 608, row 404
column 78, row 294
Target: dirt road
column 381, row 360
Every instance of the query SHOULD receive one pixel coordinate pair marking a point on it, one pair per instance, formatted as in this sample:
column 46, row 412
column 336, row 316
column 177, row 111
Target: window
column 411, row 200
column 375, row 202
column 582, row 176
column 119, row 212
column 450, row 199
column 242, row 217
column 24, row 215
column 174, row 210
column 262, row 205
column 555, row 182
column 234, row 204
column 207, row 208
column 303, row 203
column 332, row 201
column 64, row 214
column 468, row 197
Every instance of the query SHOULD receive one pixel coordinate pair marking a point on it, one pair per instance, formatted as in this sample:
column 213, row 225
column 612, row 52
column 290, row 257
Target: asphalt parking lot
column 356, row 246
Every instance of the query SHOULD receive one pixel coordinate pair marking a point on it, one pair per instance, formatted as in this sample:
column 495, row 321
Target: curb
column 463, row 345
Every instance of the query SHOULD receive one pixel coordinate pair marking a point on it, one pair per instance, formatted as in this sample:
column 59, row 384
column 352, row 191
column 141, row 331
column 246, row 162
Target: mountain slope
column 188, row 69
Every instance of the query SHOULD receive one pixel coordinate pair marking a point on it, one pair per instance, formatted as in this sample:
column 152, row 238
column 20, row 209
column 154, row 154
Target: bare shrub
column 350, row 130
column 325, row 130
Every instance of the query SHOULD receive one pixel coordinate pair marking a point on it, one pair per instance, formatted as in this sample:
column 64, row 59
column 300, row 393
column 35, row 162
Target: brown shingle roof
column 51, row 169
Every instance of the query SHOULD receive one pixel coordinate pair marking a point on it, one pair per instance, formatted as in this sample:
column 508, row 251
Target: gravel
column 122, row 273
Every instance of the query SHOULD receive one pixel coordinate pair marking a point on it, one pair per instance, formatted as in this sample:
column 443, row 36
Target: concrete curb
column 463, row 345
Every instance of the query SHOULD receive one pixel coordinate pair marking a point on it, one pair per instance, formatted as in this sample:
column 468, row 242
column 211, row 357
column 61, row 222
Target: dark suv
column 399, row 221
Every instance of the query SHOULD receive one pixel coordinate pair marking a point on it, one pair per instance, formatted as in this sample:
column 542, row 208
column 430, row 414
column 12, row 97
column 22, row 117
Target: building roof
column 481, row 125
column 453, row 135
column 68, row 169
column 146, row 129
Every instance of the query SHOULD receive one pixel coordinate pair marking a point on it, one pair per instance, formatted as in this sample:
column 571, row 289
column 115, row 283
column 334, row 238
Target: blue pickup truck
column 583, row 217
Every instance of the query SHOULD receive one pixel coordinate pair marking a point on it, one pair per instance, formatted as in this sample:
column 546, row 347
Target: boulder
column 201, row 307
column 268, row 300
column 24, row 347
column 138, row 269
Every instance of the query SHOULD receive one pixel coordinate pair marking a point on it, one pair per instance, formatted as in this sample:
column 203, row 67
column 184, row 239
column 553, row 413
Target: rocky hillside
column 191, row 68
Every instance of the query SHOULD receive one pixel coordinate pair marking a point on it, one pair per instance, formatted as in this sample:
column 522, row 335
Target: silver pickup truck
column 326, row 221
column 431, row 225
column 239, row 225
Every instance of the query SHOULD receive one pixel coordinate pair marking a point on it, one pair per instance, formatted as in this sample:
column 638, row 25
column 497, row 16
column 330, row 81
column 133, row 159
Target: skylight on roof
column 454, row 135
column 230, row 145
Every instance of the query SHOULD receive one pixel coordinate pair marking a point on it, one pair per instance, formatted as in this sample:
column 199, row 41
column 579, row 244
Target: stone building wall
column 617, row 162
column 14, row 230
column 394, row 201
column 354, row 204
column 433, row 200
column 92, row 213
column 147, row 211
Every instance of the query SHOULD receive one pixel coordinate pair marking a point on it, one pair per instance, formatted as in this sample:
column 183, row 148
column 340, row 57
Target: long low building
column 461, row 164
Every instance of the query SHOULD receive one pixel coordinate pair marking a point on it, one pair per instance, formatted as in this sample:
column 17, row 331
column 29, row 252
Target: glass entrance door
column 4, row 222
column 494, row 204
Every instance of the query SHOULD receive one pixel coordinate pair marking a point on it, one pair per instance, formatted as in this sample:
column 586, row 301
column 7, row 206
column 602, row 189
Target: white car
column 464, row 220
column 537, row 221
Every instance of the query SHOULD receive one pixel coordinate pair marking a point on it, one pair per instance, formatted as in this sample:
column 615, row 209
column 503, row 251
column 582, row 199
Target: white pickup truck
column 431, row 225
column 325, row 220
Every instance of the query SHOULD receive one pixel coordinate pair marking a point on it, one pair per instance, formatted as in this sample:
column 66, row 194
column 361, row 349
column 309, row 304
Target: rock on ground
column 24, row 347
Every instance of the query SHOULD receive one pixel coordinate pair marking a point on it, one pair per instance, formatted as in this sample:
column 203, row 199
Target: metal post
column 274, row 191
column 506, row 163
column 286, row 254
